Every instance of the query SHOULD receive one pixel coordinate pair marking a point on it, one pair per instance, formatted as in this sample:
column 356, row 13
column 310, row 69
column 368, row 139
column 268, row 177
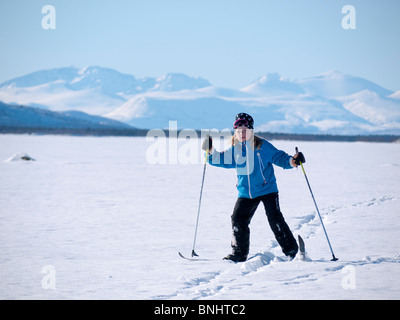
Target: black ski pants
column 242, row 215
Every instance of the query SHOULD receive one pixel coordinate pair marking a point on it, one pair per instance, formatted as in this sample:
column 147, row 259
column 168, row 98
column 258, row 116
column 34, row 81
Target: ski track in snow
column 214, row 284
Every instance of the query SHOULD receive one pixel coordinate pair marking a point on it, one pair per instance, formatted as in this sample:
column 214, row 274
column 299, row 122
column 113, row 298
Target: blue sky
column 230, row 43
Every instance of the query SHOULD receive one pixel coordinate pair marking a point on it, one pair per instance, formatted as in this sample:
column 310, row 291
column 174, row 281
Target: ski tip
column 191, row 259
column 301, row 245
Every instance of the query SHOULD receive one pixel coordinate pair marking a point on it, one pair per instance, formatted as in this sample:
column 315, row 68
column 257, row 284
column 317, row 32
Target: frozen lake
column 91, row 218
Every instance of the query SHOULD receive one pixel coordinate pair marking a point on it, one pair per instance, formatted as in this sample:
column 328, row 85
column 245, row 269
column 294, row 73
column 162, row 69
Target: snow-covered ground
column 91, row 218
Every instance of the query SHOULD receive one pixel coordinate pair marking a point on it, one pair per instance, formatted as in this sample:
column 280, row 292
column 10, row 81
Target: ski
column 192, row 259
column 302, row 251
column 302, row 247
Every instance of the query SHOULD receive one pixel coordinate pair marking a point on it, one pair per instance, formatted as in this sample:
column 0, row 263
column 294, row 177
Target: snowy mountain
column 335, row 84
column 94, row 90
column 155, row 111
column 273, row 84
column 276, row 104
column 373, row 108
column 395, row 95
column 177, row 82
column 331, row 102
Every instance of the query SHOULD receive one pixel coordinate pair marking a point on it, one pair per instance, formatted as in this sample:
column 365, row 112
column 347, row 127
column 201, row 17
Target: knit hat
column 243, row 119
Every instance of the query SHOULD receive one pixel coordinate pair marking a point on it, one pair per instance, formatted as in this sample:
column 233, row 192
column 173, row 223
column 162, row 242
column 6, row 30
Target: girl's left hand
column 297, row 158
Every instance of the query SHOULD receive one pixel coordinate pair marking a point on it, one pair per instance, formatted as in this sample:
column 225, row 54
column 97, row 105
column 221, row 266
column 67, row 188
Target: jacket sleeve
column 279, row 157
column 223, row 159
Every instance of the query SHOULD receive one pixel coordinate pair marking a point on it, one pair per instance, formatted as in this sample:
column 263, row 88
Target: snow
column 363, row 104
column 334, row 83
column 92, row 219
column 60, row 99
column 395, row 95
column 273, row 84
column 93, row 89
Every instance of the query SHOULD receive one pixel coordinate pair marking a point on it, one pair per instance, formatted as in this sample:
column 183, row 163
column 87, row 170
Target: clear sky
column 229, row 42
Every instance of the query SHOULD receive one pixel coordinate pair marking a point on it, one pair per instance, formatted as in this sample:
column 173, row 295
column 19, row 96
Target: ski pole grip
column 299, row 162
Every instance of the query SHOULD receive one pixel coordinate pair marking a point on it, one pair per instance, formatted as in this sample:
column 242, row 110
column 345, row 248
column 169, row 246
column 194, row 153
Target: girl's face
column 243, row 133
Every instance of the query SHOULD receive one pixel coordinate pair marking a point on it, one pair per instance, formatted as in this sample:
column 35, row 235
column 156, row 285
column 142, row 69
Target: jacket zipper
column 248, row 171
column 261, row 167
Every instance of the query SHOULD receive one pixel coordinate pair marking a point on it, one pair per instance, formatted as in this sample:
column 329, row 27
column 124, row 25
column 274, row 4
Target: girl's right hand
column 207, row 144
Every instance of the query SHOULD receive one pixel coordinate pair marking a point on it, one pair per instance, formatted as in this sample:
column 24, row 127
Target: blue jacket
column 253, row 167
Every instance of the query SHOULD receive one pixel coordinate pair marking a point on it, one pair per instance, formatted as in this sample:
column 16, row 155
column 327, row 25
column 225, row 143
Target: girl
column 252, row 157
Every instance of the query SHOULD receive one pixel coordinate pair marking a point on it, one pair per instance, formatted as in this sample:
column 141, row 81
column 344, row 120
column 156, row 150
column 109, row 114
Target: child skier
column 252, row 157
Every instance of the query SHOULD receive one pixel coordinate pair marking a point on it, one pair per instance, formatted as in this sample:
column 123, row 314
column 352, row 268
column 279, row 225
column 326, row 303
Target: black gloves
column 299, row 157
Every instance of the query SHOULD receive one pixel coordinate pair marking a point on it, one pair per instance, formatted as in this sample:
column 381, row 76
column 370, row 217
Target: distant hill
column 15, row 118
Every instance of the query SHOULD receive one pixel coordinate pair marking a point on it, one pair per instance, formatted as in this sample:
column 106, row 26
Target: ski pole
column 198, row 211
column 312, row 195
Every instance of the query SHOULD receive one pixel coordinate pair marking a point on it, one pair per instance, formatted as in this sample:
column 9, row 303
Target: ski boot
column 235, row 258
